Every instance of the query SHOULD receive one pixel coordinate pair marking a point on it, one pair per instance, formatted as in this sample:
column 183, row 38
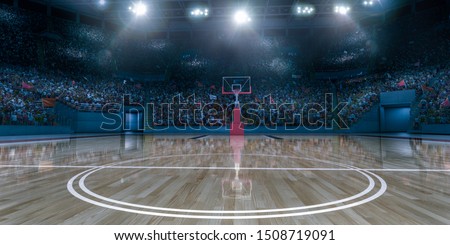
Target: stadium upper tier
column 81, row 48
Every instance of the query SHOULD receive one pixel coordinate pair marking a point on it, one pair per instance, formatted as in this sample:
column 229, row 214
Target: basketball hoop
column 243, row 85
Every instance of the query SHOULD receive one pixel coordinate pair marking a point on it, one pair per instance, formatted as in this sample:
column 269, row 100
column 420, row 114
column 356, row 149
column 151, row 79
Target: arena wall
column 10, row 130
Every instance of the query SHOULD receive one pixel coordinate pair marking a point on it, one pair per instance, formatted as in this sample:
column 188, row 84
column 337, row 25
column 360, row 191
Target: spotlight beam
column 266, row 9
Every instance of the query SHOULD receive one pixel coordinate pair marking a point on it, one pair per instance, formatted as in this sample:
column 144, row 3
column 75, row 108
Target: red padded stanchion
column 237, row 127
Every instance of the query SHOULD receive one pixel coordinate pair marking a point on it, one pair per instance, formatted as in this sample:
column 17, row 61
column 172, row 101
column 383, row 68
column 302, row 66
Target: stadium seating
column 75, row 66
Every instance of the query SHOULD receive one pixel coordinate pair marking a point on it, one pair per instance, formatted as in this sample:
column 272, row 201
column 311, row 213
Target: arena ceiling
column 266, row 14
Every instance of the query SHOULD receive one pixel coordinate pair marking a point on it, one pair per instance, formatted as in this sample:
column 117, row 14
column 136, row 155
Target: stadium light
column 341, row 9
column 101, row 4
column 241, row 17
column 139, row 8
column 198, row 12
column 368, row 3
column 305, row 10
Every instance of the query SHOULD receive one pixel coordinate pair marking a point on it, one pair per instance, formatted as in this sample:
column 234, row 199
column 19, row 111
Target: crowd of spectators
column 17, row 40
column 32, row 39
column 23, row 88
column 20, row 106
column 73, row 63
column 414, row 42
column 431, row 83
column 433, row 105
column 351, row 49
column 78, row 49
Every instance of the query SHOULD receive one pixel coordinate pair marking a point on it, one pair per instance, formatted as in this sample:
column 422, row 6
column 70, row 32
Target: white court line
column 86, row 173
column 70, row 188
column 83, row 187
column 225, row 168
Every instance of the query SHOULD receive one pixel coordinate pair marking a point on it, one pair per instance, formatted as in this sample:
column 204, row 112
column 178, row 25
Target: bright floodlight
column 200, row 12
column 340, row 9
column 368, row 3
column 241, row 17
column 305, row 10
column 139, row 8
column 102, row 2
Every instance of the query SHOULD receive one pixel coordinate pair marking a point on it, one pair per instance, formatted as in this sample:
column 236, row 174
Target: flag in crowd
column 446, row 103
column 426, row 88
column 48, row 102
column 27, row 86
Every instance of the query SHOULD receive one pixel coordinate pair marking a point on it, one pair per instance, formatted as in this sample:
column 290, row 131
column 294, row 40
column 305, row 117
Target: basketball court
column 220, row 179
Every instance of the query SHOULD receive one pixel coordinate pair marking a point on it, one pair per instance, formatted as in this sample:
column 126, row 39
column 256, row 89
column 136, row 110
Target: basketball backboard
column 237, row 84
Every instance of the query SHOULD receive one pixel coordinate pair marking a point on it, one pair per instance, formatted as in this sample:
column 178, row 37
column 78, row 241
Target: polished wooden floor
column 176, row 180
